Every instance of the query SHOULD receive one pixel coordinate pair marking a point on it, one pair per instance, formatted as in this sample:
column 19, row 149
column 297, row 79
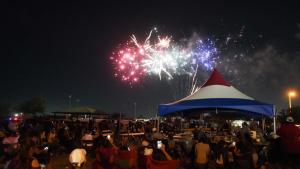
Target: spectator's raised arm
column 165, row 152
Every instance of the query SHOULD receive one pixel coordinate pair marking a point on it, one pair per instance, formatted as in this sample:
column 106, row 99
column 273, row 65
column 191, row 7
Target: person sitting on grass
column 77, row 158
column 105, row 154
column 161, row 159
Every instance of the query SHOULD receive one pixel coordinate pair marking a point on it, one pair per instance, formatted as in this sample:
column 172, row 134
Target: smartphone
column 108, row 136
column 233, row 143
column 159, row 144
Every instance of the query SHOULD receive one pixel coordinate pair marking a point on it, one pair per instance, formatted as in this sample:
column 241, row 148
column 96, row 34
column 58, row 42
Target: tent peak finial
column 216, row 79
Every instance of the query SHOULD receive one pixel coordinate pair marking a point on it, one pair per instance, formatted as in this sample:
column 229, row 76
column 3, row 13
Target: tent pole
column 274, row 119
column 157, row 122
column 181, row 121
column 200, row 120
column 263, row 122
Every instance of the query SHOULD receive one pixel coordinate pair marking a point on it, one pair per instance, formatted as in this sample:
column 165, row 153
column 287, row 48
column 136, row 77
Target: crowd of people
column 33, row 144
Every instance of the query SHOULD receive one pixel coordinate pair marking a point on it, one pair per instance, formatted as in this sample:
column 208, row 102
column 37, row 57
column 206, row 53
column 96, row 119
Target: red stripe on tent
column 216, row 79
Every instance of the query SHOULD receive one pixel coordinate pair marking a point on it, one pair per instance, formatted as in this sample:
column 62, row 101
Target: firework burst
column 127, row 61
column 161, row 56
column 205, row 54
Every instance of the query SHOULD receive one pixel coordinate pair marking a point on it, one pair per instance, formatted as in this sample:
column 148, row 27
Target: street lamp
column 77, row 102
column 70, row 102
column 135, row 111
column 291, row 94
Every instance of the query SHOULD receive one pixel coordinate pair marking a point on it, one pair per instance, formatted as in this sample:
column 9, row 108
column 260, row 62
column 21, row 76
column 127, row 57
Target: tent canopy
column 217, row 93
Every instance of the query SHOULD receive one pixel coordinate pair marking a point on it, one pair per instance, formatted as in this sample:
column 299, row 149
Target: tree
column 141, row 117
column 5, row 109
column 295, row 113
column 32, row 106
column 117, row 115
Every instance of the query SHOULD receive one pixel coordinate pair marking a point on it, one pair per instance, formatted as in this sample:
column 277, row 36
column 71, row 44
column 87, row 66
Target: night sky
column 55, row 50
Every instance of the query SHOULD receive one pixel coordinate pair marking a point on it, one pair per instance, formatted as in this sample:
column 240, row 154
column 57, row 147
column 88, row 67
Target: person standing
column 202, row 152
column 290, row 140
column 244, row 131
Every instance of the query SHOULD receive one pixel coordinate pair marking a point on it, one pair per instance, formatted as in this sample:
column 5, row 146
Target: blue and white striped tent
column 216, row 93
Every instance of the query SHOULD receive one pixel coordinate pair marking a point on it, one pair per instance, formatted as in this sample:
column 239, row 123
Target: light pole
column 134, row 111
column 77, row 102
column 291, row 94
column 70, row 102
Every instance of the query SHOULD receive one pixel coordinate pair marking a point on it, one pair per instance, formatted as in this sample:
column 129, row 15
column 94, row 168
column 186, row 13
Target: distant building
column 81, row 113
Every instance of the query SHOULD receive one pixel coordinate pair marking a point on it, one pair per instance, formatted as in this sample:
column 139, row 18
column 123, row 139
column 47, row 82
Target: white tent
column 217, row 93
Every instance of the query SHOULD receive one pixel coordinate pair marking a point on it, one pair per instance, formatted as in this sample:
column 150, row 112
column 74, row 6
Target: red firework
column 128, row 63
